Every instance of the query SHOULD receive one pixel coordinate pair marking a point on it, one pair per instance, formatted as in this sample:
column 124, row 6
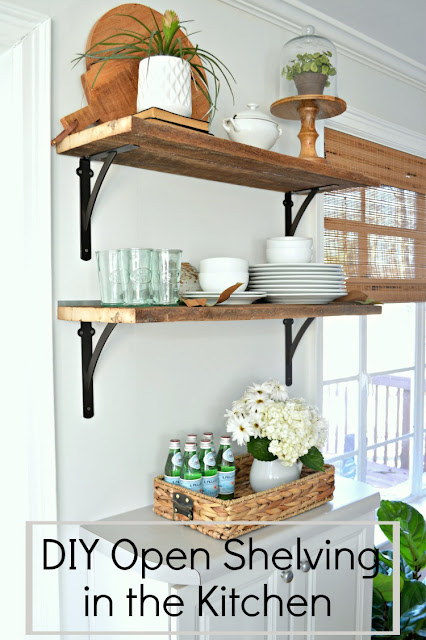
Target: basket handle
column 183, row 505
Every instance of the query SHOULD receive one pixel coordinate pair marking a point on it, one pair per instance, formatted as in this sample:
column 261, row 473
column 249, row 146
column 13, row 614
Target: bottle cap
column 190, row 446
column 225, row 439
column 174, row 443
column 208, row 435
column 205, row 443
column 191, row 438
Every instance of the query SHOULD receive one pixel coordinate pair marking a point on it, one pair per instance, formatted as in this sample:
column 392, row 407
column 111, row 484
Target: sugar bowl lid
column 252, row 113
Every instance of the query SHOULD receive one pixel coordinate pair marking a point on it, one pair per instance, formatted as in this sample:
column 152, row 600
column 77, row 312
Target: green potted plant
column 412, row 563
column 310, row 72
column 169, row 63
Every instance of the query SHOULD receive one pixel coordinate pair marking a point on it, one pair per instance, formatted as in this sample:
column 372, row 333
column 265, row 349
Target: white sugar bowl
column 252, row 127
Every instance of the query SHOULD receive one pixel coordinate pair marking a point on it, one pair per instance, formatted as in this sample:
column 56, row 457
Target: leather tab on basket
column 183, row 505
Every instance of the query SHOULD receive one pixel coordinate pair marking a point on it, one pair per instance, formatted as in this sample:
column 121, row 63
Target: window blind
column 378, row 233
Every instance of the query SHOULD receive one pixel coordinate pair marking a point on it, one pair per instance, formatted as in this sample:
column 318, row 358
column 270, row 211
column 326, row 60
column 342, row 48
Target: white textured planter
column 267, row 475
column 165, row 82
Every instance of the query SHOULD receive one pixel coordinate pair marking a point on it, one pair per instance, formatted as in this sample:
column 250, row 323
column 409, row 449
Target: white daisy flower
column 240, row 428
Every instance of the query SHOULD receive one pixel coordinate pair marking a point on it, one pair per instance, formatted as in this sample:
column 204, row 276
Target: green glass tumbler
column 113, row 277
column 166, row 268
column 138, row 264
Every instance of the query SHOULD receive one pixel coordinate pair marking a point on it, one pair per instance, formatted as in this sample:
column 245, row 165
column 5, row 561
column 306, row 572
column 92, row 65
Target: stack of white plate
column 301, row 283
column 245, row 297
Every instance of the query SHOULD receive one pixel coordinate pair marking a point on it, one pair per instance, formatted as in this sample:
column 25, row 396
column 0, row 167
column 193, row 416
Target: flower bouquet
column 284, row 432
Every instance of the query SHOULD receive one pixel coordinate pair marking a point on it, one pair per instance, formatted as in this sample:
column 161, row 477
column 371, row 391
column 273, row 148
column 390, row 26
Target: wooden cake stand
column 307, row 109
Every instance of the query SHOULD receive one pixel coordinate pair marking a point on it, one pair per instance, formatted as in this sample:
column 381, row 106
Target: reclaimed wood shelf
column 94, row 311
column 169, row 148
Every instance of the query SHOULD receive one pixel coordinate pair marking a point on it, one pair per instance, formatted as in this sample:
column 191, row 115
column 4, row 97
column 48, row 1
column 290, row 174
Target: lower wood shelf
column 90, row 311
column 94, row 311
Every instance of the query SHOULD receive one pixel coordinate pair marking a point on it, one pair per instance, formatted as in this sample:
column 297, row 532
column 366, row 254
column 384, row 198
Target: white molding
column 364, row 125
column 15, row 24
column 293, row 14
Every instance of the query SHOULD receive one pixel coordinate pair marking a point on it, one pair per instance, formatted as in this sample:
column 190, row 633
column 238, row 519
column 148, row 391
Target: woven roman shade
column 378, row 233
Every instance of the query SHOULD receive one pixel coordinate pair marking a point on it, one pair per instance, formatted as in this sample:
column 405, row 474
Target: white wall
column 158, row 381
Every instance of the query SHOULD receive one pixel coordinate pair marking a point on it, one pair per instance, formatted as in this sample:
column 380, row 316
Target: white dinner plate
column 296, row 265
column 203, row 294
column 296, row 292
column 297, row 277
column 303, row 300
column 240, row 298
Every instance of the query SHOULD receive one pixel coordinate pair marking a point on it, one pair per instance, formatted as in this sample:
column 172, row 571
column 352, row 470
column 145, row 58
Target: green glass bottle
column 208, row 435
column 173, row 463
column 225, row 469
column 190, row 474
column 208, row 469
column 191, row 437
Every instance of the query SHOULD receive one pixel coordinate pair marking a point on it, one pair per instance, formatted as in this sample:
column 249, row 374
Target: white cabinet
column 346, row 592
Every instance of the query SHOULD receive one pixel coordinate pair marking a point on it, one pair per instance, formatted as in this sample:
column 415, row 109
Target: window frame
column 418, row 403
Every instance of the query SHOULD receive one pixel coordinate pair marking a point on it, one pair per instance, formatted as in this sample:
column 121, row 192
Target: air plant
column 163, row 41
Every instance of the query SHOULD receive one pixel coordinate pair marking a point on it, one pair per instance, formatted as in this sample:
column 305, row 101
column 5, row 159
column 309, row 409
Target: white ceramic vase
column 165, row 82
column 267, row 475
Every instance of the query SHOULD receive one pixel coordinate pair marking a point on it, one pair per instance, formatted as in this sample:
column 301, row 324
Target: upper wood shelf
column 93, row 311
column 169, row 148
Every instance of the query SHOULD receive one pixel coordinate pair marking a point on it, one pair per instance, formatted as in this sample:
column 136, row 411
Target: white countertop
column 352, row 500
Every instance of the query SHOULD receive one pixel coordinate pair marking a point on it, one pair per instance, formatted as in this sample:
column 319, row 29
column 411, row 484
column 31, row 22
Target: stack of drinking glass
column 139, row 277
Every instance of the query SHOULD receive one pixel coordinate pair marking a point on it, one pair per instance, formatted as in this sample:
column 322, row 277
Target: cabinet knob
column 305, row 566
column 287, row 576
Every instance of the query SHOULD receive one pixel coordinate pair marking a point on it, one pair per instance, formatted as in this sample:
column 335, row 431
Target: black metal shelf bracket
column 89, row 360
column 291, row 345
column 88, row 196
column 290, row 224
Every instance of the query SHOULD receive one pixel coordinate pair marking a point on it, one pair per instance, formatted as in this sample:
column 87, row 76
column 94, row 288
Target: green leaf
column 313, row 459
column 412, row 594
column 314, row 67
column 325, row 69
column 384, row 584
column 413, row 531
column 413, row 620
column 258, row 447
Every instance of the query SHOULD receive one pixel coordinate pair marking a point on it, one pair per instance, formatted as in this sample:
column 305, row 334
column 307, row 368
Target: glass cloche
column 308, row 66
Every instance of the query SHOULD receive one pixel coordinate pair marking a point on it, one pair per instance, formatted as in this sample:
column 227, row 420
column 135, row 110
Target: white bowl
column 288, row 241
column 219, row 265
column 289, row 254
column 221, row 281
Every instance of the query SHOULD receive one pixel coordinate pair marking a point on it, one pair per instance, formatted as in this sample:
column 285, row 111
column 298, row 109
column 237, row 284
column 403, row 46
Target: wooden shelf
column 169, row 148
column 93, row 311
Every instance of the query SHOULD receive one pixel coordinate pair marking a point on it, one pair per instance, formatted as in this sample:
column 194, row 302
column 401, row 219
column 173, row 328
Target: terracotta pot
column 310, row 83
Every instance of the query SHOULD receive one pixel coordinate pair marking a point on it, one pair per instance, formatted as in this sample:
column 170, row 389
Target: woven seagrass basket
column 311, row 490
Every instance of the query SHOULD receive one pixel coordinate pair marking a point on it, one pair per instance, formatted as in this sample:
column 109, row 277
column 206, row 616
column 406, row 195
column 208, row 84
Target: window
column 373, row 369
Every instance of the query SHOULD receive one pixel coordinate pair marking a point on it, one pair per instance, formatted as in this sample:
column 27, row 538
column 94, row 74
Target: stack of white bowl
column 289, row 249
column 218, row 274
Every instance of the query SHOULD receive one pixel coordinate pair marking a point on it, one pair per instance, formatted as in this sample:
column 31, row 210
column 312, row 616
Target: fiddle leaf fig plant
column 163, row 40
column 412, row 562
column 318, row 62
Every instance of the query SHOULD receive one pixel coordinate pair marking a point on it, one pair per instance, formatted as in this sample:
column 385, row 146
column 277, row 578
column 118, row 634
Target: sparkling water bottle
column 193, row 438
column 173, row 463
column 208, row 469
column 190, row 474
column 208, row 435
column 226, row 469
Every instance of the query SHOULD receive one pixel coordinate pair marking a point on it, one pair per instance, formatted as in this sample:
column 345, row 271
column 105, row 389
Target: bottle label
column 228, row 455
column 211, row 485
column 209, row 459
column 226, row 482
column 172, row 479
column 177, row 459
column 194, row 462
column 194, row 485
